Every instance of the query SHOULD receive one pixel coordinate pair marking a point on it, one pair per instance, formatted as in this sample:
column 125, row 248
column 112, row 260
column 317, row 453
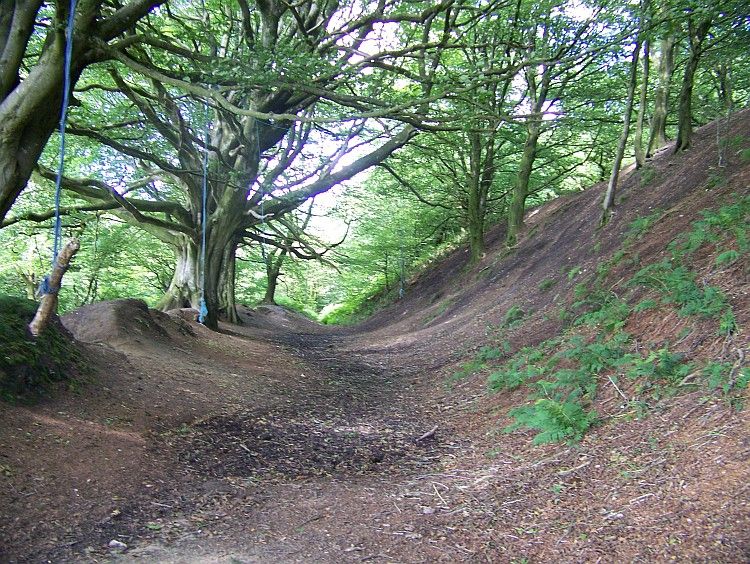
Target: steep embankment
column 564, row 246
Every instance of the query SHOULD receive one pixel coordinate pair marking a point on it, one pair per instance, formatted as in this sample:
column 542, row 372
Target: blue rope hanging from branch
column 45, row 287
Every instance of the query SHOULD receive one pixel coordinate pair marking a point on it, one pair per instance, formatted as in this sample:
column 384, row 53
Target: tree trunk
column 658, row 134
column 28, row 116
column 475, row 201
column 227, row 276
column 724, row 86
column 640, row 154
column 184, row 289
column 609, row 197
column 273, row 269
column 48, row 305
column 521, row 187
column 221, row 235
column 385, row 272
column 685, row 112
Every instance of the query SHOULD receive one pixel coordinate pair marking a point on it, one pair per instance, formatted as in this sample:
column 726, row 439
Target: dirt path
column 263, row 442
column 314, row 476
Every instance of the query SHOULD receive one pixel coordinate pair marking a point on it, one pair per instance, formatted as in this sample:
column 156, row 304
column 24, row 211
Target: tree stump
column 48, row 305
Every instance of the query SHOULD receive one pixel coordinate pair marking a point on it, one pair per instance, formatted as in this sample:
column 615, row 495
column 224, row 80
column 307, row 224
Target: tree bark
column 521, row 187
column 658, row 134
column 697, row 35
column 227, row 277
column 184, row 289
column 640, row 154
column 724, row 86
column 30, row 100
column 273, row 270
column 475, row 201
column 609, row 197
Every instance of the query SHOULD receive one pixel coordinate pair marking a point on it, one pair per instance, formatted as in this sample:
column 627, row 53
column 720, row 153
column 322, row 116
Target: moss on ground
column 29, row 367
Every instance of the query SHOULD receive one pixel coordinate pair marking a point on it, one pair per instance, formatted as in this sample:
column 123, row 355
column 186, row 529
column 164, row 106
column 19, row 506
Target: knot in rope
column 45, row 287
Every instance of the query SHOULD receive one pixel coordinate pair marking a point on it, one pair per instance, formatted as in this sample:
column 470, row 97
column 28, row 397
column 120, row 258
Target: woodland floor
column 288, row 442
column 284, row 441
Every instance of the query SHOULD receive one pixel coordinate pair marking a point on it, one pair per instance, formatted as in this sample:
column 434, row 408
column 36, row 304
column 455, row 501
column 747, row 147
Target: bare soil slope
column 282, row 440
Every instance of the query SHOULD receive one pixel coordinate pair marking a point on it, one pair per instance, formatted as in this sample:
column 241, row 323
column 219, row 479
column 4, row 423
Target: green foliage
column 298, row 307
column 489, row 353
column 556, row 421
column 648, row 174
column 727, row 257
column 573, row 271
column 717, row 375
column 518, row 371
column 677, row 285
column 604, row 310
column 479, row 362
column 715, row 180
column 563, row 373
column 743, row 380
column 546, row 284
column 730, row 222
column 115, row 261
column 658, row 366
column 28, row 367
column 350, row 312
column 513, row 316
column 644, row 305
column 640, row 226
column 467, row 369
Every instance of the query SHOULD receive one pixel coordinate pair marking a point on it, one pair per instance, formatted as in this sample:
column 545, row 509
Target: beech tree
column 290, row 79
column 557, row 50
column 32, row 47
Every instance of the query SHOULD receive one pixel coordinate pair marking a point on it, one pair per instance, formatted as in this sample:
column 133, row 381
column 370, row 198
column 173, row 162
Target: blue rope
column 45, row 287
column 263, row 253
column 203, row 312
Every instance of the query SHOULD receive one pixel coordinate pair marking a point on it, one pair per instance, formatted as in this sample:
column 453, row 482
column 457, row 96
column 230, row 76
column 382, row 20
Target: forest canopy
column 336, row 147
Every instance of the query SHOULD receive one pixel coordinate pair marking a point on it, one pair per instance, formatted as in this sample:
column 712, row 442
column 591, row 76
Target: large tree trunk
column 227, row 276
column 218, row 280
column 658, row 135
column 184, row 289
column 223, row 225
column 28, row 116
column 697, row 34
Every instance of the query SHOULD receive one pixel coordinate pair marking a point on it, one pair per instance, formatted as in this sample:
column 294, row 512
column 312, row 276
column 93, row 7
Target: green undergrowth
column 356, row 308
column 564, row 374
column 297, row 307
column 29, row 367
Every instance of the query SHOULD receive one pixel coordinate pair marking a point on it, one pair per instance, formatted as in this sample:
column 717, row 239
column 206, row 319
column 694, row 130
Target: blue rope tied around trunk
column 203, row 312
column 45, row 287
